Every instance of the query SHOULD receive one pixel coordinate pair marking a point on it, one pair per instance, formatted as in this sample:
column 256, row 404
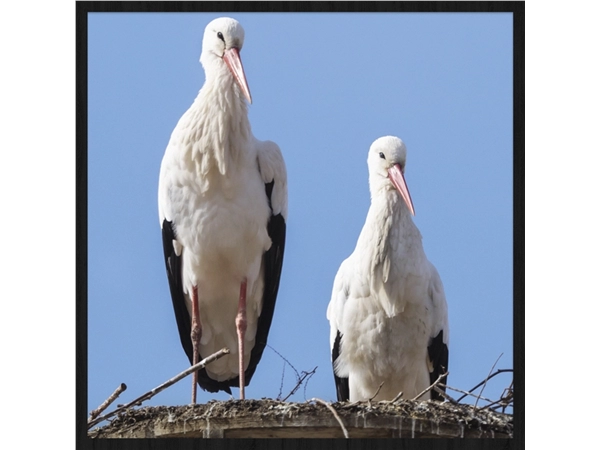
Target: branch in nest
column 166, row 384
column 283, row 373
column 504, row 401
column 299, row 378
column 487, row 378
column 464, row 392
column 281, row 384
column 446, row 396
column 285, row 360
column 435, row 383
column 484, row 381
column 375, row 394
column 335, row 414
column 501, row 403
column 96, row 412
column 300, row 381
column 397, row 397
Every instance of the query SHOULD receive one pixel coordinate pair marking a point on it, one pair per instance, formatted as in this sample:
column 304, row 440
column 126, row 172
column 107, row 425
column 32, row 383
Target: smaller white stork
column 388, row 312
column 222, row 201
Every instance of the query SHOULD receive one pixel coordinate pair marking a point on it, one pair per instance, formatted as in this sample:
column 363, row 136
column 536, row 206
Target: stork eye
column 381, row 155
column 220, row 36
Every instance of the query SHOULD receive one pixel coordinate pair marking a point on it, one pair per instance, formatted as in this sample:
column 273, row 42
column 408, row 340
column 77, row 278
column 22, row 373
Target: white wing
column 272, row 169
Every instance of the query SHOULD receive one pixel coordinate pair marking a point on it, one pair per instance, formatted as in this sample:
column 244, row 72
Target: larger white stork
column 222, row 202
column 388, row 312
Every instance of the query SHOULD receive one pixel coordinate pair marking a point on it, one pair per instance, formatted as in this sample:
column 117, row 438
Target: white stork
column 388, row 312
column 222, row 201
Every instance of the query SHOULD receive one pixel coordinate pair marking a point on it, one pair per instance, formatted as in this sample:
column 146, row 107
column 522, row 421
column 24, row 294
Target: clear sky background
column 324, row 87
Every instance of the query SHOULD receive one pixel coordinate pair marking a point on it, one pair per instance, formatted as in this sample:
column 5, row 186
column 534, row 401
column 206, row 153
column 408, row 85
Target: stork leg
column 241, row 324
column 196, row 334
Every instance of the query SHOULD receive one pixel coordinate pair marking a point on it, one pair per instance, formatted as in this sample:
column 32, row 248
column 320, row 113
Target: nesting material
column 268, row 418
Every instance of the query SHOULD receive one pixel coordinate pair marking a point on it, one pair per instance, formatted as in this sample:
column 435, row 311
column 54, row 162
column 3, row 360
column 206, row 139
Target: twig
column 299, row 383
column 435, row 383
column 505, row 400
column 335, row 414
column 166, row 384
column 375, row 394
column 508, row 395
column 281, row 384
column 96, row 412
column 299, row 379
column 463, row 392
column 354, row 403
column 397, row 397
column 501, row 403
column 308, row 378
column 289, row 363
column 487, row 378
column 443, row 394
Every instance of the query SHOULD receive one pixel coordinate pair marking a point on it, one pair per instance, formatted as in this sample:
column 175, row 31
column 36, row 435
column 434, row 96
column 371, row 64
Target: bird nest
column 314, row 418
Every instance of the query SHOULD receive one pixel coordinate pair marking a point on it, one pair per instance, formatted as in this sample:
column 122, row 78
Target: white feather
column 387, row 299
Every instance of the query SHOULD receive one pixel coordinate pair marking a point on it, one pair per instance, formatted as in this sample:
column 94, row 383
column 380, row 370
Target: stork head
column 222, row 43
column 386, row 161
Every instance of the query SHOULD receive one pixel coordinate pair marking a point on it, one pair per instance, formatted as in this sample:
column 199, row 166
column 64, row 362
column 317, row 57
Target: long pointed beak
column 233, row 61
column 398, row 180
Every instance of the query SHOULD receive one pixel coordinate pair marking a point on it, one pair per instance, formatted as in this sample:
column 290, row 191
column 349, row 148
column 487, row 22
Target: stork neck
column 389, row 230
column 389, row 210
column 220, row 116
column 221, row 83
column 222, row 96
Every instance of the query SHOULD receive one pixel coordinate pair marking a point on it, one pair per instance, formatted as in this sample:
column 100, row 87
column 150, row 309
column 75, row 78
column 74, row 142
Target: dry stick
column 508, row 394
column 299, row 383
column 463, row 392
column 505, row 399
column 166, row 384
column 307, row 379
column 335, row 414
column 281, row 384
column 354, row 403
column 499, row 371
column 283, row 374
column 397, row 397
column 487, row 378
column 497, row 407
column 435, row 383
column 288, row 363
column 96, row 412
column 501, row 403
column 446, row 396
column 375, row 394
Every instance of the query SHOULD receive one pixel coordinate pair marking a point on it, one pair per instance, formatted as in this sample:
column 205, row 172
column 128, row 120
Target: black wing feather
column 273, row 263
column 341, row 384
column 438, row 355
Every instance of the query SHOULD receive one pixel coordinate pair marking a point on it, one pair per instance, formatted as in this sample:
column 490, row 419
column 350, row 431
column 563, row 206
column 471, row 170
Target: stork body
column 388, row 311
column 222, row 208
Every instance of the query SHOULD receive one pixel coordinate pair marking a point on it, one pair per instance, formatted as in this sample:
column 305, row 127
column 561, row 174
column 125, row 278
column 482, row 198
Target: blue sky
column 324, row 87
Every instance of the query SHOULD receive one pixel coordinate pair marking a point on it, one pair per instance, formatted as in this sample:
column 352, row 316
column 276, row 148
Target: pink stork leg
column 241, row 324
column 196, row 334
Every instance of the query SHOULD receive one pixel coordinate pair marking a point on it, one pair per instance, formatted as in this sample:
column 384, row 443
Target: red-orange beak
column 233, row 61
column 398, row 180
